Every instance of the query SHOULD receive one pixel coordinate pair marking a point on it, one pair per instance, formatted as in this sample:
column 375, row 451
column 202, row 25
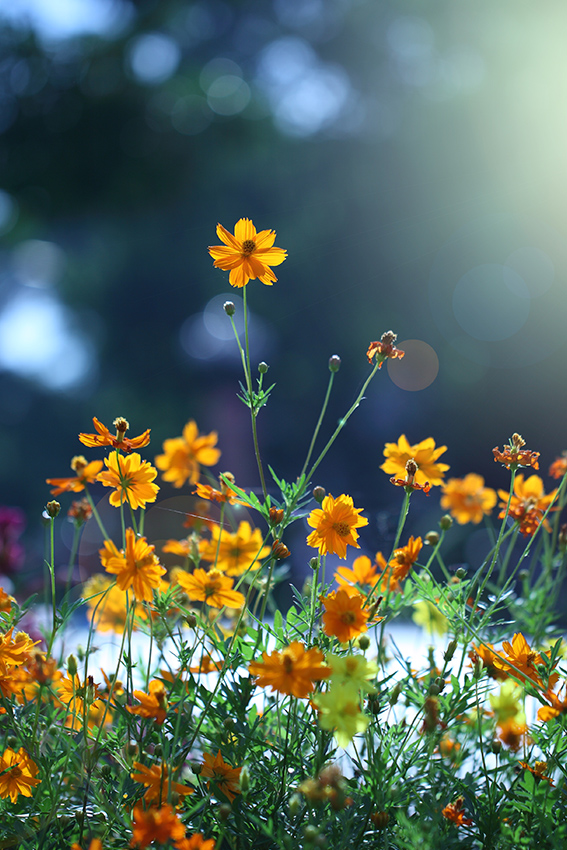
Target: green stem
column 319, row 422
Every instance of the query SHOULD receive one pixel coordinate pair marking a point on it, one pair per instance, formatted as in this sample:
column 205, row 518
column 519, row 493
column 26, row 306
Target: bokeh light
column 417, row 369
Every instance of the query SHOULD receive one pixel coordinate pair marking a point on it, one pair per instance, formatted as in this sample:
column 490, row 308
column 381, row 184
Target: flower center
column 342, row 528
column 248, row 246
column 287, row 663
column 348, row 618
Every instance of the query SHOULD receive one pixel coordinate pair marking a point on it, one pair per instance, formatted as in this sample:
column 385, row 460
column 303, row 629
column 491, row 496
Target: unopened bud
column 334, row 363
column 52, row 509
column 310, row 832
column 72, row 665
column 314, row 563
column 276, row 516
column 496, row 747
column 364, row 642
column 294, row 805
column 191, row 620
column 450, row 651
column 523, row 575
column 280, row 550
column 432, row 538
column 224, row 811
column 319, row 493
column 395, row 695
column 90, row 691
column 434, row 689
column 380, row 820
column 461, row 573
column 105, row 771
column 263, row 368
column 445, row 522
column 229, row 308
column 244, row 780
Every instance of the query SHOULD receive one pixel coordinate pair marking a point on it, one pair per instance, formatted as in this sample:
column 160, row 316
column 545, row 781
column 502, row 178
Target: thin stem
column 319, row 422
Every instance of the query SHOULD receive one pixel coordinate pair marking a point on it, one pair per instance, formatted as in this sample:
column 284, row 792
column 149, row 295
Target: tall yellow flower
column 132, row 479
column 18, row 774
column 184, row 455
column 424, row 454
column 137, row 567
column 237, row 552
column 467, row 499
column 335, row 524
column 340, row 711
column 247, row 255
column 211, row 587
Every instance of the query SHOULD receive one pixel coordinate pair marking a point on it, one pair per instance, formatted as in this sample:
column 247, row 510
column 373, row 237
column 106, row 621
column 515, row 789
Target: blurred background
column 411, row 158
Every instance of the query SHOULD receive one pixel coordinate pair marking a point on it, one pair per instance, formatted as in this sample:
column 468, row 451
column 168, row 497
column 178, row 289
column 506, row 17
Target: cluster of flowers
column 218, row 593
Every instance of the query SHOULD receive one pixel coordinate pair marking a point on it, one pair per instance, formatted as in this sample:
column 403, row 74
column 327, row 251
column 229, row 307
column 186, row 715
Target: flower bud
column 310, row 832
column 229, row 308
column 276, row 516
column 496, row 747
column 280, row 550
column 191, row 620
column 314, row 563
column 294, row 804
column 395, row 695
column 52, row 509
column 334, row 363
column 224, row 811
column 434, row 689
column 450, row 651
column 445, row 522
column 72, row 665
column 461, row 573
column 319, row 493
column 380, row 819
column 432, row 538
column 244, row 780
column 364, row 642
column 263, row 368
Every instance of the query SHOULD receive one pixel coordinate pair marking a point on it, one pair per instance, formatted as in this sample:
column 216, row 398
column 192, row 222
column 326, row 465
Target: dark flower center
column 342, row 528
column 248, row 246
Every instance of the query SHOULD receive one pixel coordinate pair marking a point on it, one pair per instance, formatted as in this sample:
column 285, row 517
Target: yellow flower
column 429, row 617
column 340, row 711
column 363, row 573
column 109, row 613
column 18, row 774
column 153, row 704
column 137, row 567
column 184, row 455
column 85, row 473
column 467, row 499
column 248, row 254
column 237, row 552
column 425, row 456
column 352, row 672
column 211, row 587
column 508, row 703
column 132, row 479
column 335, row 524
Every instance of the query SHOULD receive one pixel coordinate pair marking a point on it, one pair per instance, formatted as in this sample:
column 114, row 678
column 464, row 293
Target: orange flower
column 384, row 349
column 225, row 494
column 154, row 703
column 224, row 776
column 156, row 780
column 512, row 733
column 467, row 499
column 400, row 564
column 248, row 254
column 110, row 613
column 206, row 665
column 559, row 466
column 85, row 473
column 538, row 770
column 344, row 616
column 335, row 524
column 557, row 706
column 524, row 660
column 132, row 479
column 528, row 503
column 514, row 454
column 18, row 774
column 196, row 842
column 237, row 552
column 425, row 456
column 15, row 651
column 211, row 587
column 184, row 455
column 96, row 844
column 293, row 670
column 156, row 824
column 103, row 437
column 364, row 573
column 137, row 567
column 486, row 654
column 454, row 812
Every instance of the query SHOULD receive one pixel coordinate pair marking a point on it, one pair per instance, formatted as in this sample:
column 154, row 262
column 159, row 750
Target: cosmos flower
column 156, row 780
column 85, row 473
column 514, row 455
column 153, row 704
column 335, row 524
column 236, row 552
column 156, row 824
column 103, row 437
column 292, row 670
column 211, row 587
column 467, row 499
column 425, row 455
column 528, row 503
column 247, row 255
column 135, row 567
column 222, row 775
column 384, row 349
column 344, row 617
column 454, row 812
column 340, row 712
column 18, row 774
column 132, row 479
column 183, row 456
